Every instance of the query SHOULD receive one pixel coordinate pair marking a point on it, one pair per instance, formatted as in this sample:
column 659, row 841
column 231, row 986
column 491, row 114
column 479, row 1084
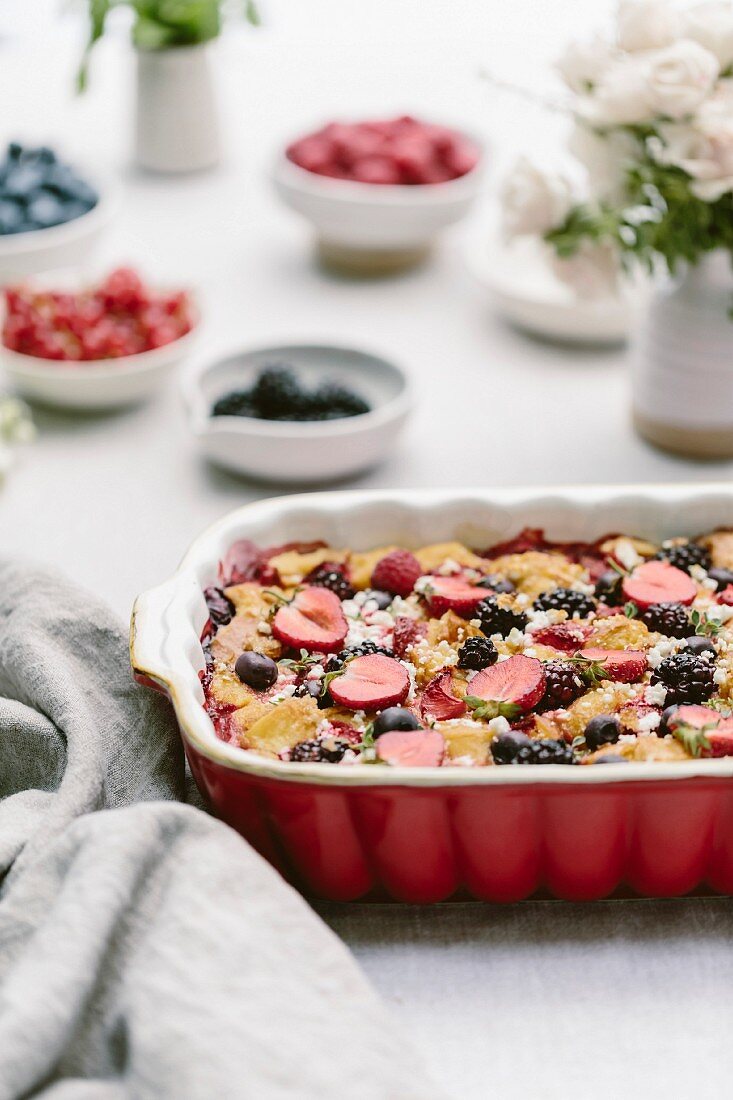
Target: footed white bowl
column 300, row 452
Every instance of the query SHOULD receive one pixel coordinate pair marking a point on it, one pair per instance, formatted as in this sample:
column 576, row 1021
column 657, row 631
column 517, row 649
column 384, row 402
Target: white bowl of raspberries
column 378, row 193
column 99, row 346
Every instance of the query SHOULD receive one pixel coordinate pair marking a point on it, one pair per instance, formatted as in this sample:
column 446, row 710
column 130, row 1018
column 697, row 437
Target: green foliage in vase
column 163, row 24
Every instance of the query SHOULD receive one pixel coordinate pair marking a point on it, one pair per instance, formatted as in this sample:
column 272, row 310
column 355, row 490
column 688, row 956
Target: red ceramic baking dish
column 426, row 834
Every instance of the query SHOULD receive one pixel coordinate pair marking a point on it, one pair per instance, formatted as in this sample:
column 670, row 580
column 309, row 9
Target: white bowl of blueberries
column 51, row 215
column 298, row 413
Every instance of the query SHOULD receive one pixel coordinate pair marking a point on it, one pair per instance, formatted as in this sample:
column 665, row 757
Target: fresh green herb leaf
column 631, row 610
column 492, row 708
column 704, row 626
column 326, row 681
column 592, row 672
column 617, row 567
column 694, row 740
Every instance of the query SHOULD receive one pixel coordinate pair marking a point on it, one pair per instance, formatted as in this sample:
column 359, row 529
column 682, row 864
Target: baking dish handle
column 166, row 623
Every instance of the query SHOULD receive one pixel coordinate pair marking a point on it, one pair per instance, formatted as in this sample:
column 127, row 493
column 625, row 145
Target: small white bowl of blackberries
column 51, row 212
column 298, row 413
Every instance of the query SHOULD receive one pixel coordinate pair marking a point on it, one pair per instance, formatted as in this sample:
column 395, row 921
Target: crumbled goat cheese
column 540, row 620
column 722, row 613
column 423, row 583
column 698, row 573
column 625, row 553
column 522, row 599
column 662, row 649
column 516, row 638
column 720, row 676
column 264, row 628
column 649, row 722
column 286, row 693
column 407, row 608
column 449, row 568
column 498, row 725
column 655, row 694
column 315, row 672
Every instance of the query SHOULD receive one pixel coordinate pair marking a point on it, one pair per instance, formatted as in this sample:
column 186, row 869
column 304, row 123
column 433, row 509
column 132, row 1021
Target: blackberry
column 566, row 599
column 671, row 619
column 688, row 678
column 498, row 620
column 276, row 393
column 364, row 649
column 328, row 576
column 684, row 555
column 237, row 403
column 563, row 685
column 477, row 653
column 221, row 608
column 328, row 751
column 331, row 402
column 608, row 588
column 518, row 748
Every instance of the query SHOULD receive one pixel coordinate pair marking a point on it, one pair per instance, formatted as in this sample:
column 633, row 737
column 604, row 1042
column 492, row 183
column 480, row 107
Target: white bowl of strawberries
column 96, row 347
column 377, row 193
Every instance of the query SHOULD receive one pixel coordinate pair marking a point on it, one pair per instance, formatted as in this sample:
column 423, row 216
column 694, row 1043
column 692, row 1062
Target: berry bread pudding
column 526, row 652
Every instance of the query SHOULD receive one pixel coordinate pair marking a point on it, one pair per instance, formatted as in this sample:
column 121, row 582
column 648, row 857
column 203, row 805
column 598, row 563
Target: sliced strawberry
column 371, row 683
column 438, row 701
column 568, row 636
column 407, row 632
column 397, row 573
column 658, row 582
column 412, row 748
column 720, row 739
column 519, row 680
column 625, row 666
column 693, row 715
column 313, row 620
column 726, row 596
column 453, row 594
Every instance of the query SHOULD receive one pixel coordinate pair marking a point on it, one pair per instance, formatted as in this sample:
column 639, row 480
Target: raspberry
column 397, row 572
column 407, row 632
column 684, row 555
column 566, row 599
column 687, row 678
column 667, row 618
column 477, row 653
column 495, row 619
column 332, row 577
column 564, row 686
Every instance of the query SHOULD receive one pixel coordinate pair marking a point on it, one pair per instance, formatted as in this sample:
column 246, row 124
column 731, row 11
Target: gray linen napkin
column 147, row 951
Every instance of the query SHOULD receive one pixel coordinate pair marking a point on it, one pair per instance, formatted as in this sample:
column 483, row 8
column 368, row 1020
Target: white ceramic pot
column 176, row 116
column 683, row 363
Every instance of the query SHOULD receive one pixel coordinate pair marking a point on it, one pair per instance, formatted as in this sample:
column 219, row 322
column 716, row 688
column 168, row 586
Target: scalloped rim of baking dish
column 167, row 621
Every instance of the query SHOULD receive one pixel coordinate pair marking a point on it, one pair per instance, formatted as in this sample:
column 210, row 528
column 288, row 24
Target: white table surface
column 114, row 500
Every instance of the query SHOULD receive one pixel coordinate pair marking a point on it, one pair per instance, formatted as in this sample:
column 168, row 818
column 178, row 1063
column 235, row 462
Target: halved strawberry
column 658, row 582
column 313, row 620
column 519, row 680
column 371, row 683
column 716, row 732
column 625, row 666
column 412, row 748
column 396, row 573
column 720, row 739
column 438, row 701
column 693, row 714
column 568, row 636
column 407, row 632
column 453, row 594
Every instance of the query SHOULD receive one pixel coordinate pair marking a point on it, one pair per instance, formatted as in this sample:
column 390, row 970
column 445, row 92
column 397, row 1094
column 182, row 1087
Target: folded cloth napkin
column 145, row 949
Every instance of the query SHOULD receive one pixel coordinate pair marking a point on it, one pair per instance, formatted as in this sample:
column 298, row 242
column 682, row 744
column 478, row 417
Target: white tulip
column 594, row 271
column 583, row 64
column 533, row 201
column 679, row 78
column 711, row 24
column 703, row 147
column 648, row 24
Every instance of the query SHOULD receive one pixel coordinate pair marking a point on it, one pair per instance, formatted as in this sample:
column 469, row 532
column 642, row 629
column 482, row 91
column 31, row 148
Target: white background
column 113, row 501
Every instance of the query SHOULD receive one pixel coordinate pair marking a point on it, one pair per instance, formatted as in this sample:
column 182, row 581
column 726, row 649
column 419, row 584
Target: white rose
column 704, row 146
column 594, row 271
column 533, row 201
column 679, row 78
column 605, row 158
column 711, row 24
column 622, row 95
column 647, row 24
column 583, row 63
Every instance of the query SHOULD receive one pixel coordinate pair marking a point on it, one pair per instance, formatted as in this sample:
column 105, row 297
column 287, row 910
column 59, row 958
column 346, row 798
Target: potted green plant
column 176, row 118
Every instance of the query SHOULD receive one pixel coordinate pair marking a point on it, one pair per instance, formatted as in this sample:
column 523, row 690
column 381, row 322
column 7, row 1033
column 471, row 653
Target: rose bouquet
column 652, row 110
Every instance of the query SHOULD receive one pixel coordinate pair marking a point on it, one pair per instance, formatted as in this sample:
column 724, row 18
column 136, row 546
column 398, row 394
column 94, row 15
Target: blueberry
column 395, row 718
column 506, row 746
column 663, row 726
column 608, row 587
column 496, row 584
column 256, row 670
column 699, row 644
column 11, row 216
column 504, row 587
column 722, row 577
column 382, row 599
column 604, row 729
column 611, row 758
column 45, row 211
column 23, row 181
